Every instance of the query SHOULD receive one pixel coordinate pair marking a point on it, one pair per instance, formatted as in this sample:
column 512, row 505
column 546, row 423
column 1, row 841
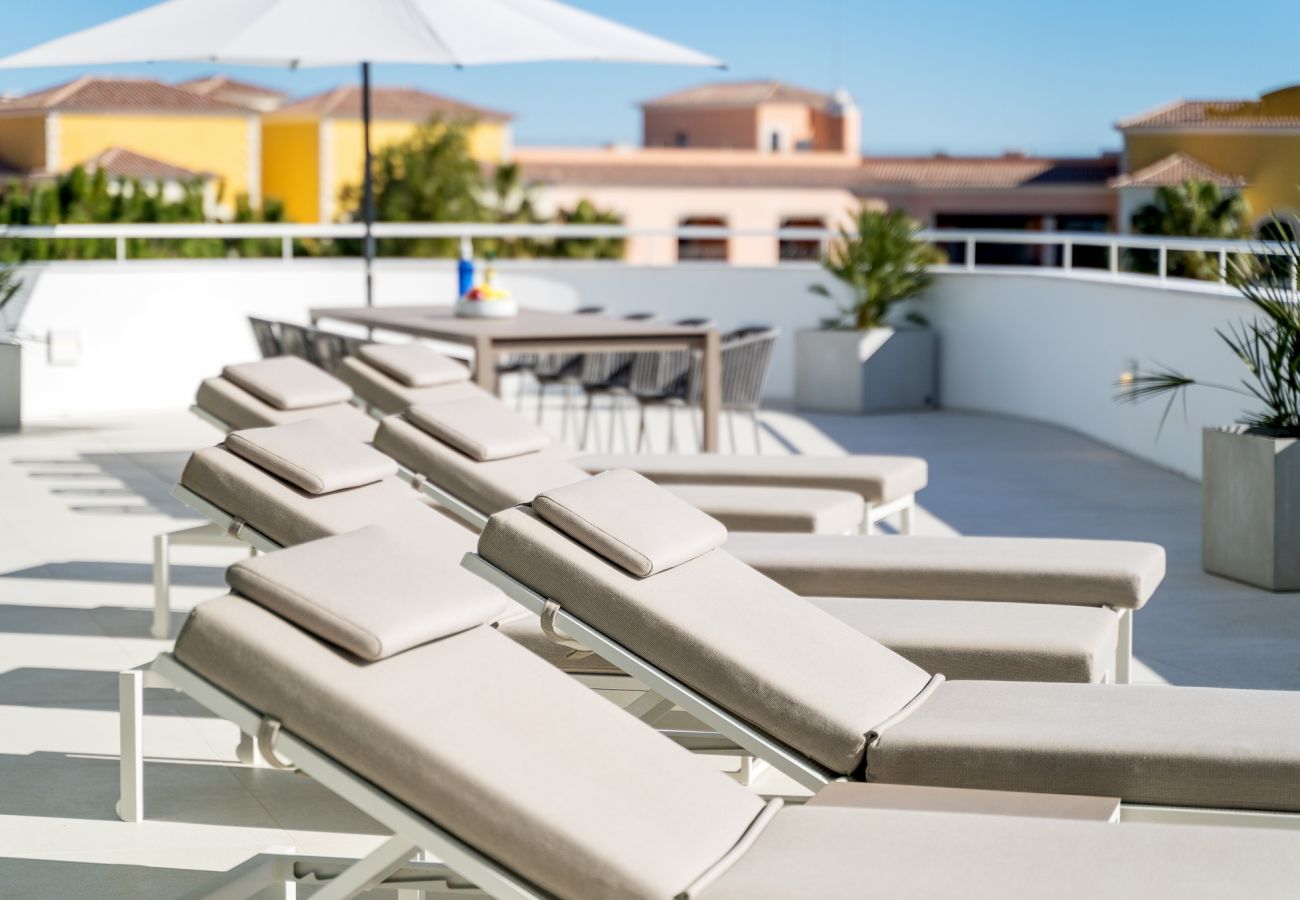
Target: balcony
column 1027, row 442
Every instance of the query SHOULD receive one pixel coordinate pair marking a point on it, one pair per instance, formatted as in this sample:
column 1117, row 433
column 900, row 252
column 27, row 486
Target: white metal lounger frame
column 777, row 754
column 390, row 865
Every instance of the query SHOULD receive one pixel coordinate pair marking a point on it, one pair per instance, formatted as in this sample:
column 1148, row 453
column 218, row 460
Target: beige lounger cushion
column 1182, row 746
column 288, row 383
column 1122, row 574
column 492, row 486
column 389, row 395
column 311, row 456
column 351, row 591
column 832, row 853
column 877, row 479
column 631, row 522
column 238, row 409
column 726, row 631
column 481, row 429
column 965, row 639
column 493, row 745
column 413, row 364
column 289, row 515
column 486, row 486
column 785, row 510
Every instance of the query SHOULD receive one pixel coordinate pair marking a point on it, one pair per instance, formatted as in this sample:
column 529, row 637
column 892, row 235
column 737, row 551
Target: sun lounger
column 282, row 483
column 277, row 391
column 400, row 699
column 886, row 484
column 238, row 398
column 640, row 577
column 1119, row 576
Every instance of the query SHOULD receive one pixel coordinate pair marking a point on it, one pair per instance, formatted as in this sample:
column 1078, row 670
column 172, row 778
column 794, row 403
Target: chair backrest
column 330, row 349
column 295, row 340
column 667, row 373
column 554, row 365
column 266, row 335
column 746, row 360
column 612, row 368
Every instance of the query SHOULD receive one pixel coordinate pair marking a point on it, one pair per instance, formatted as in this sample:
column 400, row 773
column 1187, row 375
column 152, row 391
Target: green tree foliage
column 586, row 213
column 883, row 263
column 1192, row 209
column 430, row 177
column 78, row 197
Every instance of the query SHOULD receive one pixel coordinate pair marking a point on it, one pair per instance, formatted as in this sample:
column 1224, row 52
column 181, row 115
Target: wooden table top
column 441, row 322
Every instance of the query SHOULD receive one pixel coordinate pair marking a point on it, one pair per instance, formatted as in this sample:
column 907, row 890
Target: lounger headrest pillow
column 367, row 592
column 482, row 428
column 413, row 364
column 631, row 521
column 312, row 456
column 288, row 383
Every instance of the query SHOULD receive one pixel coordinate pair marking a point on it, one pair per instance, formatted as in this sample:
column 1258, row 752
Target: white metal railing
column 970, row 240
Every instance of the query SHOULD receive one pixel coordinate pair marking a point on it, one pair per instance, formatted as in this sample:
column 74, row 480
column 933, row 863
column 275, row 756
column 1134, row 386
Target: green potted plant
column 871, row 356
column 11, row 359
column 1250, row 472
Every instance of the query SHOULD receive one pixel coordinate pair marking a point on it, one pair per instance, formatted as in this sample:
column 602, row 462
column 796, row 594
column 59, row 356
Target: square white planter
column 11, row 386
column 873, row 371
column 1250, row 508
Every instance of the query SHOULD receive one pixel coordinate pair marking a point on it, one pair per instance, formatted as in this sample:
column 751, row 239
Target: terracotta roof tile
column 388, row 103
column 740, row 93
column 1210, row 114
column 872, row 173
column 92, row 93
column 118, row 162
column 214, row 84
column 1177, row 168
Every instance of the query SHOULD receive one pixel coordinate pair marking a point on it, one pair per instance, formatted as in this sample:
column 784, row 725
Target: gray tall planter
column 873, row 371
column 11, row 386
column 1250, row 508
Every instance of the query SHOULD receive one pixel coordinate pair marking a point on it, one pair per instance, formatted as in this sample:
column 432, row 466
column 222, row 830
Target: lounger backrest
column 237, row 409
column 484, row 739
column 290, row 515
column 389, row 395
column 486, row 486
column 726, row 631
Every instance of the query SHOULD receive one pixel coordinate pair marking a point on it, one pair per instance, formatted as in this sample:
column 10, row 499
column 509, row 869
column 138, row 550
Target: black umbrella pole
column 368, row 184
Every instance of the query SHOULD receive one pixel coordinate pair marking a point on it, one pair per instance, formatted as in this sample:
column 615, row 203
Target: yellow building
column 1248, row 145
column 312, row 149
column 53, row 130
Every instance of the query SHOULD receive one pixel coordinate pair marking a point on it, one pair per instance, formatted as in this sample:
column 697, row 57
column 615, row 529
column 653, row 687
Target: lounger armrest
column 1119, row 574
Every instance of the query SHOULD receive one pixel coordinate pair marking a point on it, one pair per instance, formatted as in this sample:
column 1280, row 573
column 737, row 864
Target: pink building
column 766, row 116
column 758, row 156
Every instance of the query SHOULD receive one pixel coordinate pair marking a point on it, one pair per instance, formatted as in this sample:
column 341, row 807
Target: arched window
column 800, row 249
column 702, row 249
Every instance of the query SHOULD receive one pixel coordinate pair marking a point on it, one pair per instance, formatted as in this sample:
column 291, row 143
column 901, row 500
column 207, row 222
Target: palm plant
column 1192, row 209
column 9, row 285
column 1269, row 347
column 883, row 263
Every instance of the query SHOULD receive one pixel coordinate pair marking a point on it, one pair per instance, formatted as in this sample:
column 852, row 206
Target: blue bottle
column 465, row 268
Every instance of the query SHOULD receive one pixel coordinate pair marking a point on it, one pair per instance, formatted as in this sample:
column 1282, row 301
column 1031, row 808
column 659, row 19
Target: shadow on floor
column 86, row 689
column 196, row 792
column 120, row 573
column 100, row 621
column 103, row 881
column 146, row 477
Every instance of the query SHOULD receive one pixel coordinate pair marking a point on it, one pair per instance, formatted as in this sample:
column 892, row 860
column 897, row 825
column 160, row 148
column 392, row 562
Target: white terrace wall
column 140, row 335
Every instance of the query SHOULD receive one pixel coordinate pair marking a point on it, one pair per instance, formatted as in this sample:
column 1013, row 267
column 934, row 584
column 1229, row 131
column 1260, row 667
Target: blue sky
column 962, row 76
